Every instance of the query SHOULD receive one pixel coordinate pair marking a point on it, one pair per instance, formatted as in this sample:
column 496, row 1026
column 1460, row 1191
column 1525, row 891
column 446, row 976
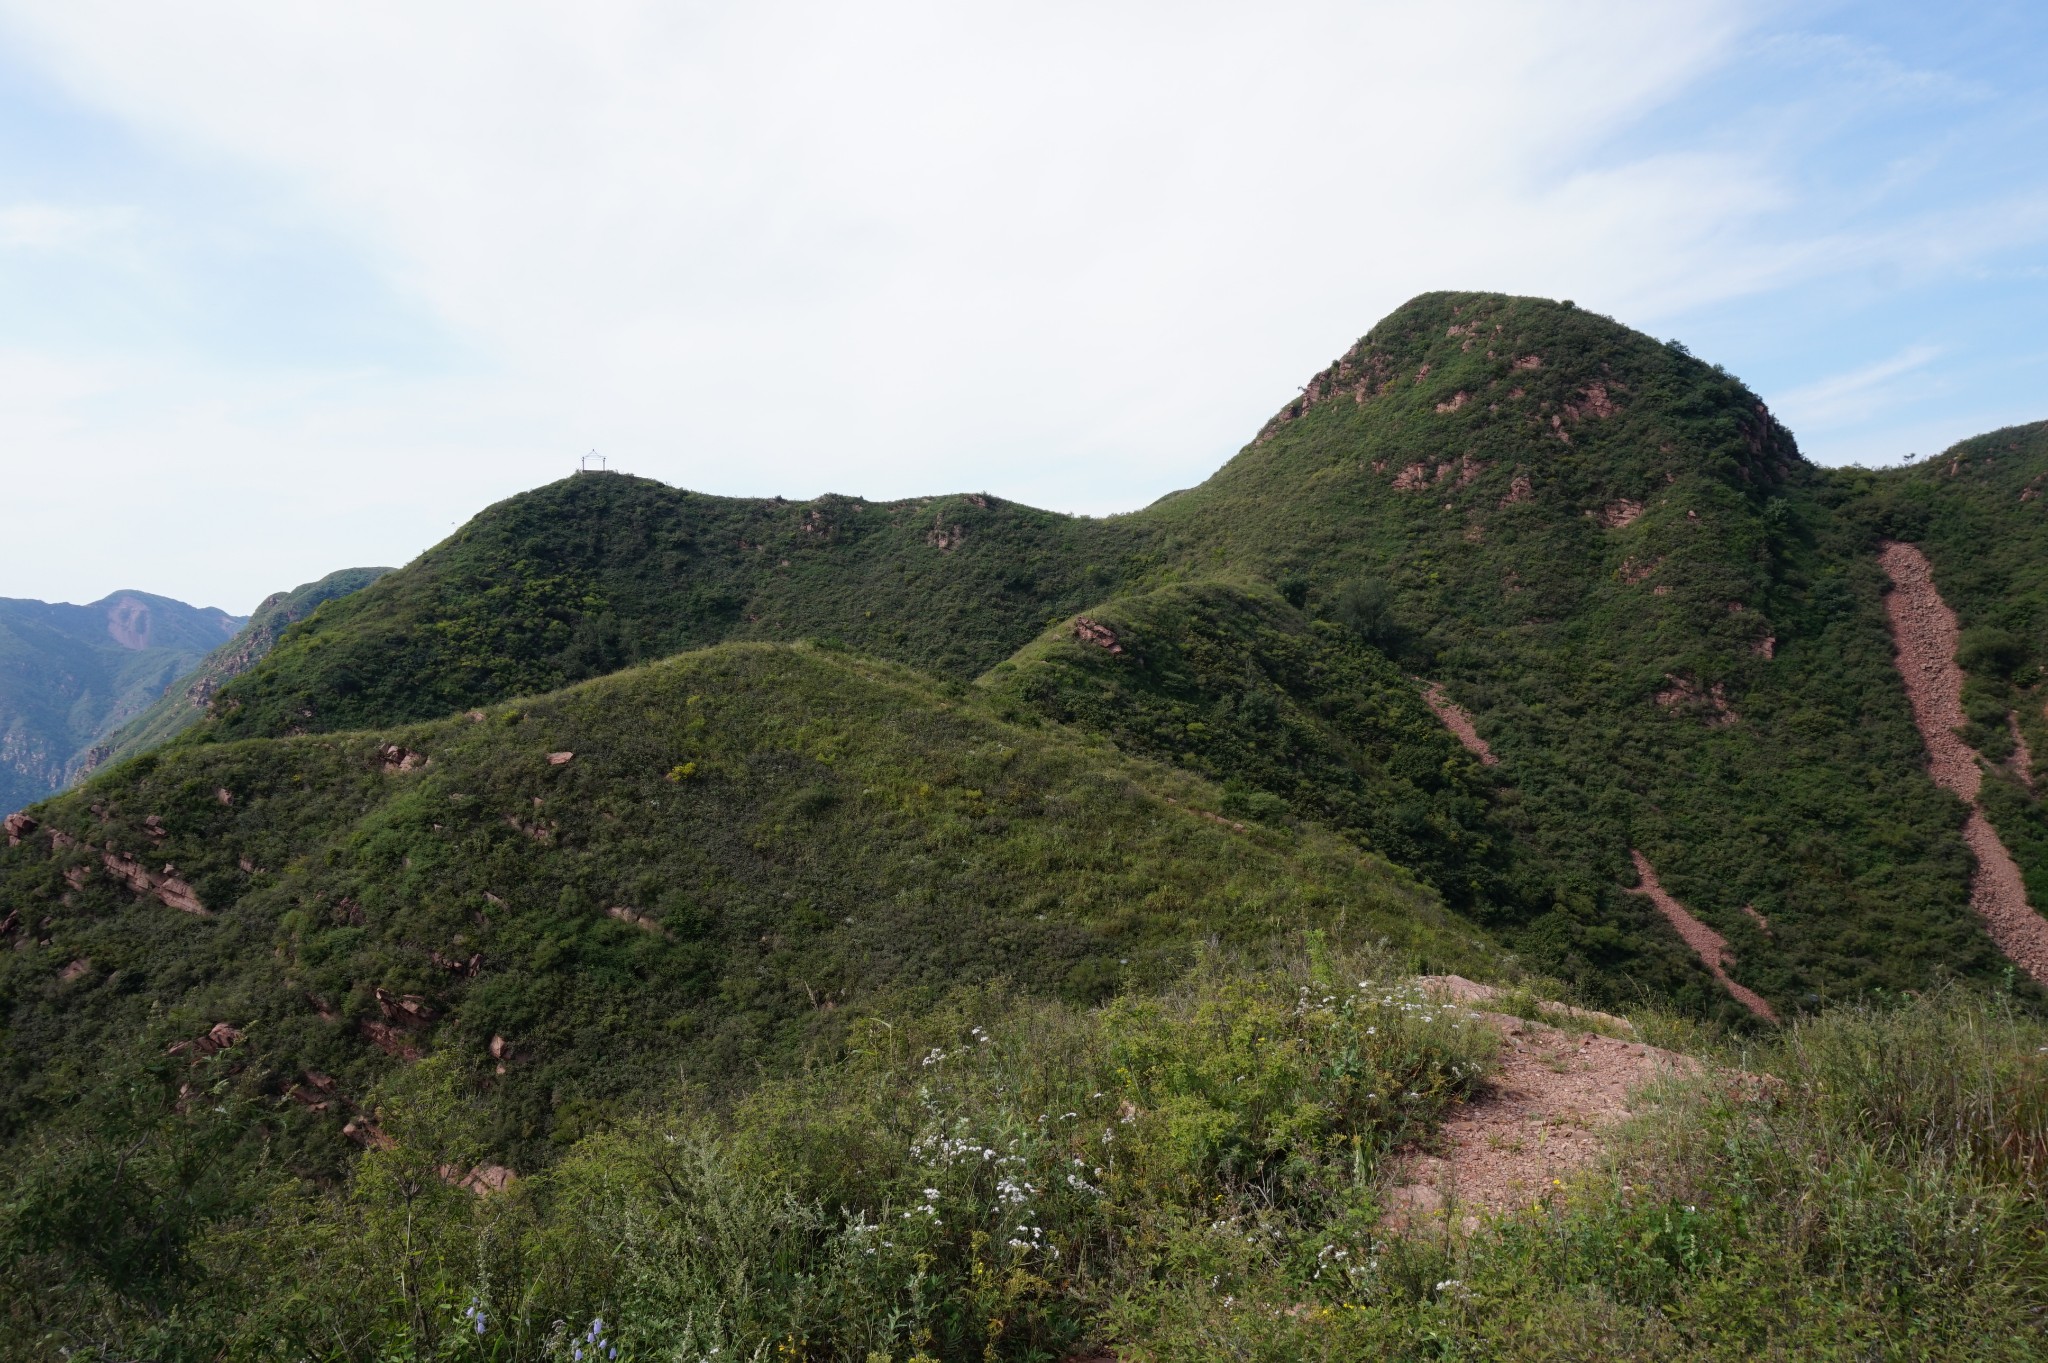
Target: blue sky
column 292, row 287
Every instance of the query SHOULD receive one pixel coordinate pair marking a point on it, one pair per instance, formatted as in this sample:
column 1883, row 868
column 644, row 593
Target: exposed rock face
column 389, row 1039
column 398, row 759
column 1096, row 633
column 17, row 827
column 407, row 1010
column 1686, row 695
column 164, row 886
column 484, row 1178
column 1621, row 513
column 634, row 918
column 217, row 1039
column 128, row 622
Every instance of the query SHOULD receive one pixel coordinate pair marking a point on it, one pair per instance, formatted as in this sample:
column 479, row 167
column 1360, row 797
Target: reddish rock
column 397, row 759
column 166, row 886
column 389, row 1040
column 407, row 1010
column 365, row 1132
column 1096, row 633
column 17, row 827
column 217, row 1039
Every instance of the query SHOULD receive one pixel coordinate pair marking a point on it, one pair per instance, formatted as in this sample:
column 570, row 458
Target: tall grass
column 1191, row 1175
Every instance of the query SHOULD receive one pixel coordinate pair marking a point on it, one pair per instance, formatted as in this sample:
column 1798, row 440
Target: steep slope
column 1297, row 716
column 1655, row 612
column 1979, row 513
column 695, row 864
column 1603, row 552
column 185, row 703
column 70, row 675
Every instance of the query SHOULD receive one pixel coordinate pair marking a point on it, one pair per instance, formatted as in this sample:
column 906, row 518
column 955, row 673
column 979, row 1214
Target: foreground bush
column 1178, row 1177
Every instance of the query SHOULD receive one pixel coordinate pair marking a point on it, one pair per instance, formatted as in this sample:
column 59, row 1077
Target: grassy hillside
column 1666, row 623
column 889, row 969
column 744, row 841
column 184, row 704
column 601, row 571
column 71, row 675
column 1662, row 619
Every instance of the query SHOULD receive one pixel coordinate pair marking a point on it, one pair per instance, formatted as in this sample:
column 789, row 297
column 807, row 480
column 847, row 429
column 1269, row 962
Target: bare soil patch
column 1711, row 946
column 1544, row 1116
column 1458, row 722
column 1924, row 633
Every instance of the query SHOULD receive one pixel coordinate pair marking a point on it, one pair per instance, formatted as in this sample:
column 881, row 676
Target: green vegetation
column 1666, row 624
column 1301, row 718
column 1185, row 1175
column 603, row 571
column 857, row 922
column 184, row 703
column 746, row 841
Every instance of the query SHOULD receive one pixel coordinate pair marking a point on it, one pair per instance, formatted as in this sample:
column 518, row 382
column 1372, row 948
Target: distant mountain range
column 71, row 675
column 80, row 685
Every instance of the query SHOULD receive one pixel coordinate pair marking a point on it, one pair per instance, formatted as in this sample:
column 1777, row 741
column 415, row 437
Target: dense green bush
column 1179, row 1176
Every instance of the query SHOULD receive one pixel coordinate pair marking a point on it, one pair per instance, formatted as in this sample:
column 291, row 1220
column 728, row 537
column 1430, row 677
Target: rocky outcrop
column 406, row 1010
column 166, row 886
column 1096, row 633
column 634, row 918
column 388, row 1039
column 217, row 1039
column 1685, row 695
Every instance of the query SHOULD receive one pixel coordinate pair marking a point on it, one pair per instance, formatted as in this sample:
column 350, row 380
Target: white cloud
column 1071, row 253
column 39, row 225
column 1854, row 397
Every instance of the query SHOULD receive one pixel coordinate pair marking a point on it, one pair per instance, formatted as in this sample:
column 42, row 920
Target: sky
column 287, row 287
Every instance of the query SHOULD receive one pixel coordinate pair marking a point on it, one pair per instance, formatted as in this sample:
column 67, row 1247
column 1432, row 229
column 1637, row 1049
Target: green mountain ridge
column 1667, row 623
column 754, row 876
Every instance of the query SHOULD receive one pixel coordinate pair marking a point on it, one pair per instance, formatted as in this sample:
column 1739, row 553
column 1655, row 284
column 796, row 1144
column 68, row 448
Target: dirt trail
column 1711, row 946
column 1458, row 722
column 1542, row 1118
column 1924, row 632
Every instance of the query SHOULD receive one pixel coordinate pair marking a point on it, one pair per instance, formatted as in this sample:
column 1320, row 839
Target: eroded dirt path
column 1711, row 946
column 1543, row 1118
column 1924, row 634
column 1458, row 722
